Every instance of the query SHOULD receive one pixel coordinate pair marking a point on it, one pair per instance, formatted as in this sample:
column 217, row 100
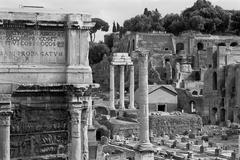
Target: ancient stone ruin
column 46, row 82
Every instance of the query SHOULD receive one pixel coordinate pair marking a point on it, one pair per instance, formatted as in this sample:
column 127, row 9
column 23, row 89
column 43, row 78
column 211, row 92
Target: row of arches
column 200, row 45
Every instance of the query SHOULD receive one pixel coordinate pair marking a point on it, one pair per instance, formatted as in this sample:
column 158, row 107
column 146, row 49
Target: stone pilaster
column 122, row 88
column 112, row 88
column 131, row 88
column 76, row 145
column 5, row 113
column 144, row 148
column 85, row 133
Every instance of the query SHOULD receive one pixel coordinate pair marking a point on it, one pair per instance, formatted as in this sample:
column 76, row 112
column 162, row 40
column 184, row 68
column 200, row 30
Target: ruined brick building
column 45, row 85
column 178, row 60
column 221, row 85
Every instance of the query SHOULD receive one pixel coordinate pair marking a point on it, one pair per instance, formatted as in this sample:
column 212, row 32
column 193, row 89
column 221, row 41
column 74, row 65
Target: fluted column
column 5, row 113
column 85, row 133
column 131, row 88
column 112, row 88
column 76, row 147
column 143, row 98
column 90, row 112
column 144, row 143
column 122, row 87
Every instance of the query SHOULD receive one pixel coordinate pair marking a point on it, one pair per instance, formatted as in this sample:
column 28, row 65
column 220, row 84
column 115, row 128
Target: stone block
column 218, row 151
column 224, row 137
column 189, row 146
column 198, row 142
column 212, row 144
column 172, row 136
column 192, row 136
column 183, row 139
column 202, row 149
column 113, row 113
column 190, row 155
column 233, row 155
column 174, row 145
column 205, row 137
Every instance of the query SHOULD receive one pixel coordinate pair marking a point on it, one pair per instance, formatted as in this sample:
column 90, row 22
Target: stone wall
column 174, row 124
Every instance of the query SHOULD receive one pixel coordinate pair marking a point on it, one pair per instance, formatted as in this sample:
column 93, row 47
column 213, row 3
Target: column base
column 144, row 147
column 91, row 127
column 146, row 155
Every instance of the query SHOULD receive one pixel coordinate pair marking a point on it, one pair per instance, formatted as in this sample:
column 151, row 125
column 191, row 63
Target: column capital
column 142, row 52
column 5, row 110
column 76, row 109
column 5, row 114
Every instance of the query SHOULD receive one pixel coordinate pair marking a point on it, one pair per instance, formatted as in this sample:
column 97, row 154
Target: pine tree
column 118, row 28
column 114, row 29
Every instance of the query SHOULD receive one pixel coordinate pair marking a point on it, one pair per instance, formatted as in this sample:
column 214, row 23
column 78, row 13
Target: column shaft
column 112, row 88
column 143, row 98
column 131, row 88
column 85, row 133
column 76, row 148
column 90, row 111
column 122, row 87
column 5, row 134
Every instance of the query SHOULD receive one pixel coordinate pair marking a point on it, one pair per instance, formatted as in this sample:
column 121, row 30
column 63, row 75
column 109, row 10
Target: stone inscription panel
column 39, row 133
column 26, row 46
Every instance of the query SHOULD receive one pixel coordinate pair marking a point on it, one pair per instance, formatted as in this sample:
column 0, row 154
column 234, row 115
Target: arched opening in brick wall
column 222, row 44
column 195, row 93
column 214, row 114
column 128, row 46
column 233, row 44
column 214, row 59
column 192, row 106
column 200, row 46
column 214, row 82
column 222, row 115
column 101, row 132
column 133, row 44
column 179, row 47
column 197, row 76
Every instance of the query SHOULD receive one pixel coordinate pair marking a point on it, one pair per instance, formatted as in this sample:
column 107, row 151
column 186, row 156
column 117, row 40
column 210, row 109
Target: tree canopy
column 235, row 25
column 147, row 22
column 97, row 51
column 99, row 25
column 202, row 17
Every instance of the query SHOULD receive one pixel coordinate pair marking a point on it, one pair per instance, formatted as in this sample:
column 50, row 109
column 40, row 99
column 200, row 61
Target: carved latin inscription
column 23, row 46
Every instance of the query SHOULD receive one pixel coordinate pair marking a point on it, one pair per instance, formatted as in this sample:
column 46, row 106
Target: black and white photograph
column 119, row 79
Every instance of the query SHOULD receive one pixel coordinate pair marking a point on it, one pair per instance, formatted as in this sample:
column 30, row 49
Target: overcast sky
column 117, row 10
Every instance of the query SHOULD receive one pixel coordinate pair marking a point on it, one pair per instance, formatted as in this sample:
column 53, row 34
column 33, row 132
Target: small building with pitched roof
column 160, row 97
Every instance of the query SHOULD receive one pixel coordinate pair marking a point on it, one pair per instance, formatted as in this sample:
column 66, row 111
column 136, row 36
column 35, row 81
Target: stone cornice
column 42, row 17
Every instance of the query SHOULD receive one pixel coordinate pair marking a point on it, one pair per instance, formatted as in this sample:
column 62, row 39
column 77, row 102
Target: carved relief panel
column 39, row 132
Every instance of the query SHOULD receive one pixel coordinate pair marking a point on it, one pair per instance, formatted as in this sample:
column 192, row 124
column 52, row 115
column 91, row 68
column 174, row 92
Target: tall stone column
column 122, row 87
column 131, row 88
column 5, row 113
column 112, row 88
column 144, row 148
column 76, row 147
column 237, row 107
column 90, row 113
column 84, row 122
